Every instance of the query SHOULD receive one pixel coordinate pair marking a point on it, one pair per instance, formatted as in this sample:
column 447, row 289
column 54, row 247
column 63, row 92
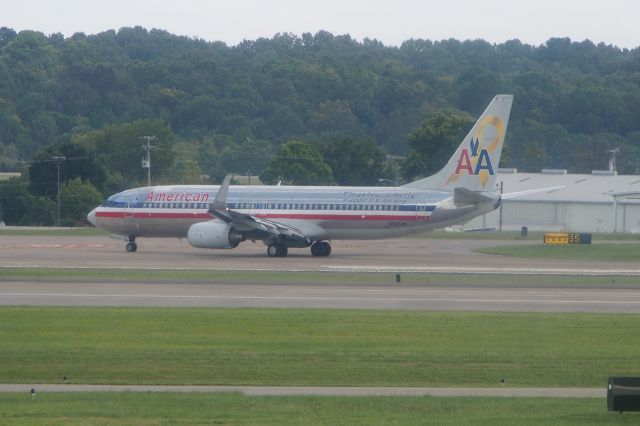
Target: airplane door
column 128, row 210
column 421, row 213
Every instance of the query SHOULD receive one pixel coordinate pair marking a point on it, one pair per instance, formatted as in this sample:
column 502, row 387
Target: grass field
column 314, row 347
column 514, row 235
column 174, row 408
column 627, row 252
column 328, row 278
column 53, row 232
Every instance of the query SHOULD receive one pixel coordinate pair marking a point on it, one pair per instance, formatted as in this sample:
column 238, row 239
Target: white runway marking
column 472, row 270
column 321, row 390
column 485, row 270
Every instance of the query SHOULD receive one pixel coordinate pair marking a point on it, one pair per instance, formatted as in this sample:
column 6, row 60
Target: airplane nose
column 91, row 217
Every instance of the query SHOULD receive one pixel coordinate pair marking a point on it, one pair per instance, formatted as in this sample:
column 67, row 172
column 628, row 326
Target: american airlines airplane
column 283, row 217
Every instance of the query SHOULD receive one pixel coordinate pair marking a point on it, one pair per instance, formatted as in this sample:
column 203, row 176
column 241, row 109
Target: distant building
column 602, row 201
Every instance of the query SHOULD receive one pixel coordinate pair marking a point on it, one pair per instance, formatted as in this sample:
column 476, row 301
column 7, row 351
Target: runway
column 321, row 296
column 404, row 255
column 401, row 255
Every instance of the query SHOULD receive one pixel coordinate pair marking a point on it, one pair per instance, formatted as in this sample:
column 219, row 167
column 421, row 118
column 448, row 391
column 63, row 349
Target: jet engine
column 214, row 235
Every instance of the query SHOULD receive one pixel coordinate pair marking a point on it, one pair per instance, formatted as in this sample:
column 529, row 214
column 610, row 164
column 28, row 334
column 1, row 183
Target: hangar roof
column 597, row 187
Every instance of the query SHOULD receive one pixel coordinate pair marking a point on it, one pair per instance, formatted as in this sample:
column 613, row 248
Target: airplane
column 283, row 217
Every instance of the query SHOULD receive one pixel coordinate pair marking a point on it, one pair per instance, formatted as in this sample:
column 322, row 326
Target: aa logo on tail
column 475, row 160
column 482, row 160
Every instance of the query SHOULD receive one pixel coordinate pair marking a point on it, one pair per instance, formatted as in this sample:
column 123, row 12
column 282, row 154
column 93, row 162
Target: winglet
column 219, row 206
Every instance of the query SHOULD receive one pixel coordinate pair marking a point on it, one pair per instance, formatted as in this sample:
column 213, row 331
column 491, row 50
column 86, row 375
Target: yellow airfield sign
column 567, row 238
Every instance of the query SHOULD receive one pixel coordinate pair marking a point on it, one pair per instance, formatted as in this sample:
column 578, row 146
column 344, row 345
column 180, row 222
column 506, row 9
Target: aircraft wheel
column 321, row 248
column 325, row 248
column 277, row 250
column 131, row 247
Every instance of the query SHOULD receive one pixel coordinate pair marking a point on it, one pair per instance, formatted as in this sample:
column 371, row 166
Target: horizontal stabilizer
column 465, row 197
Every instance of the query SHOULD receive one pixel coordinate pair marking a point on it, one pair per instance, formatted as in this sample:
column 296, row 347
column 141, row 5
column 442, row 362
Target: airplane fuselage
column 322, row 213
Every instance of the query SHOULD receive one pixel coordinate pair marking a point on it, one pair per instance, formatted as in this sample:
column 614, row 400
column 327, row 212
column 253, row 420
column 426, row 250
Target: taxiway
column 390, row 256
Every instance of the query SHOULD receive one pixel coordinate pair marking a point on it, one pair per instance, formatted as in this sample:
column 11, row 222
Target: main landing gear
column 131, row 246
column 321, row 248
column 277, row 250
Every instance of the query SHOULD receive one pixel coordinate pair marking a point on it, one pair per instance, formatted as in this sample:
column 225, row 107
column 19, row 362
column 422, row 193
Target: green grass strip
column 176, row 408
column 314, row 347
column 337, row 278
column 52, row 232
column 513, row 235
column 627, row 252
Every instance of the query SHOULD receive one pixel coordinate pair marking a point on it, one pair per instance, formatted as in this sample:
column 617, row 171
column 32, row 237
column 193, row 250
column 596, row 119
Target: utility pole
column 612, row 160
column 500, row 211
column 146, row 162
column 59, row 160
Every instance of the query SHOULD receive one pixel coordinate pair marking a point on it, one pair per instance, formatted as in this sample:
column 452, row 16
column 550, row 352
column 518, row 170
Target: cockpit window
column 113, row 202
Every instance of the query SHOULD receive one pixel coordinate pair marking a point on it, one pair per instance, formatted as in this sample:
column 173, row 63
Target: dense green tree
column 297, row 163
column 19, row 207
column 311, row 87
column 356, row 162
column 13, row 200
column 475, row 87
column 39, row 211
column 81, row 161
column 7, row 35
column 120, row 148
column 12, row 129
column 185, row 172
column 77, row 198
column 335, row 117
column 220, row 156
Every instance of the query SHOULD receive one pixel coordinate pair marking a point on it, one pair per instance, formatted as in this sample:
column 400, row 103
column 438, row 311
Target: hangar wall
column 557, row 216
column 584, row 204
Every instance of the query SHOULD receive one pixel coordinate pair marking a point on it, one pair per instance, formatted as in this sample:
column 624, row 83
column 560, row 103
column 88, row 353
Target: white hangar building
column 602, row 201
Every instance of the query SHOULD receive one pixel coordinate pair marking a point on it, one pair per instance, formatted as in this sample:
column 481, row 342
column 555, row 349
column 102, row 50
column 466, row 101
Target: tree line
column 315, row 108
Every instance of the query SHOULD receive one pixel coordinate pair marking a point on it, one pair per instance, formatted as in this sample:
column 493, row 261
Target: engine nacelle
column 214, row 235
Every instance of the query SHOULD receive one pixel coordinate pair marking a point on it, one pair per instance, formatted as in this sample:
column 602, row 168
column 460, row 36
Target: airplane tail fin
column 474, row 164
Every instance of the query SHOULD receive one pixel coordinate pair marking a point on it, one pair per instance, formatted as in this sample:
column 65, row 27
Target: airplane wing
column 258, row 227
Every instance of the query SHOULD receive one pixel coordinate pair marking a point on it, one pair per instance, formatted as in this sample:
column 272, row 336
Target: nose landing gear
column 131, row 246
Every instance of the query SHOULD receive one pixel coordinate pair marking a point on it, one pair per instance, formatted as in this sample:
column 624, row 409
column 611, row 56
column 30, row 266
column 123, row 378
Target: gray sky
column 614, row 22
